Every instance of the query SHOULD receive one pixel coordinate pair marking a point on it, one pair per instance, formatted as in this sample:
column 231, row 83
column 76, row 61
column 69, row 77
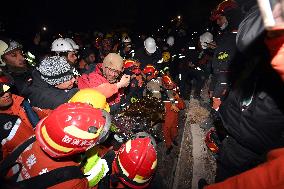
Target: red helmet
column 168, row 82
column 224, row 6
column 136, row 71
column 210, row 141
column 128, row 64
column 72, row 128
column 150, row 70
column 136, row 162
column 4, row 79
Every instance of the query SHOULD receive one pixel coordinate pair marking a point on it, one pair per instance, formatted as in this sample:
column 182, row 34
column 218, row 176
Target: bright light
column 172, row 20
column 44, row 28
column 162, row 26
column 191, row 48
column 179, row 17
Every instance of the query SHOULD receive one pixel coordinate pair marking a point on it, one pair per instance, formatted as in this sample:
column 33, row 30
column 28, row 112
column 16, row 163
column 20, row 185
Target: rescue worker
column 15, row 119
column 265, row 176
column 91, row 97
column 12, row 61
column 135, row 88
column 149, row 54
column 153, row 83
column 173, row 104
column 227, row 15
column 252, row 114
column 63, row 47
column 52, row 84
column 169, row 55
column 163, row 88
column 47, row 160
column 107, row 79
column 127, row 50
column 89, row 60
column 132, row 166
column 199, row 66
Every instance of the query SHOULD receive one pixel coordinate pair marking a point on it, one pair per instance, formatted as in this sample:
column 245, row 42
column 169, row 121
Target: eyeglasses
column 113, row 71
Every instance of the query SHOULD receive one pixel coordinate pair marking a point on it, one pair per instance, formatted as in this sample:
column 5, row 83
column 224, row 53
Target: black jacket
column 43, row 95
column 253, row 113
column 146, row 59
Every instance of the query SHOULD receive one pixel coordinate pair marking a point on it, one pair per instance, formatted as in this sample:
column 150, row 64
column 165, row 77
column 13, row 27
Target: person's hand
column 212, row 45
column 191, row 65
column 124, row 81
column 174, row 108
column 216, row 103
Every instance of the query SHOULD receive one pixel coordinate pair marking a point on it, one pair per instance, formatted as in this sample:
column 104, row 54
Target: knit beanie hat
column 55, row 70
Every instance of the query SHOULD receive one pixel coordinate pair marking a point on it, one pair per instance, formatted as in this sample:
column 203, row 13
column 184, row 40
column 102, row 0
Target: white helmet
column 171, row 41
column 126, row 39
column 205, row 38
column 7, row 47
column 61, row 45
column 150, row 45
column 72, row 42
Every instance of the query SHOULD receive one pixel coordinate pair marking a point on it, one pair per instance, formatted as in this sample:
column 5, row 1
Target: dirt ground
column 190, row 160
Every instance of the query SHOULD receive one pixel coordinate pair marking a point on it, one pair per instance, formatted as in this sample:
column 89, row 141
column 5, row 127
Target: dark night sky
column 29, row 16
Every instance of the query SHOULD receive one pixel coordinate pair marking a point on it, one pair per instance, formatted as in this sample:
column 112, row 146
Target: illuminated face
column 67, row 84
column 15, row 58
column 111, row 74
column 92, row 58
column 72, row 57
column 222, row 22
column 6, row 99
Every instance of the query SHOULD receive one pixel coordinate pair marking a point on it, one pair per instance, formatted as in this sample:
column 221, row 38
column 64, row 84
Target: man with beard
column 106, row 79
column 14, row 64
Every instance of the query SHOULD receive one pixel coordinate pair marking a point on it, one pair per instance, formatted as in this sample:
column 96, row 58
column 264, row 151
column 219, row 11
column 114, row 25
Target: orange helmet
column 223, row 7
column 150, row 70
column 168, row 82
column 136, row 162
column 72, row 128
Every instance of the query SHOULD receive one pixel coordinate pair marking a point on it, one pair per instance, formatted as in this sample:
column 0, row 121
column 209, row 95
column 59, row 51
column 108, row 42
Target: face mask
column 224, row 25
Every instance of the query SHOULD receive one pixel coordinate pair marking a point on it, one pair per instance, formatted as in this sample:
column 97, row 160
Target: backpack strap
column 52, row 177
column 43, row 181
column 10, row 160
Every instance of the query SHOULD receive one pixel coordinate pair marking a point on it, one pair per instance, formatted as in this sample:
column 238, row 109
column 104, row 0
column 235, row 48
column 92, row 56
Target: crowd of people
column 57, row 103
